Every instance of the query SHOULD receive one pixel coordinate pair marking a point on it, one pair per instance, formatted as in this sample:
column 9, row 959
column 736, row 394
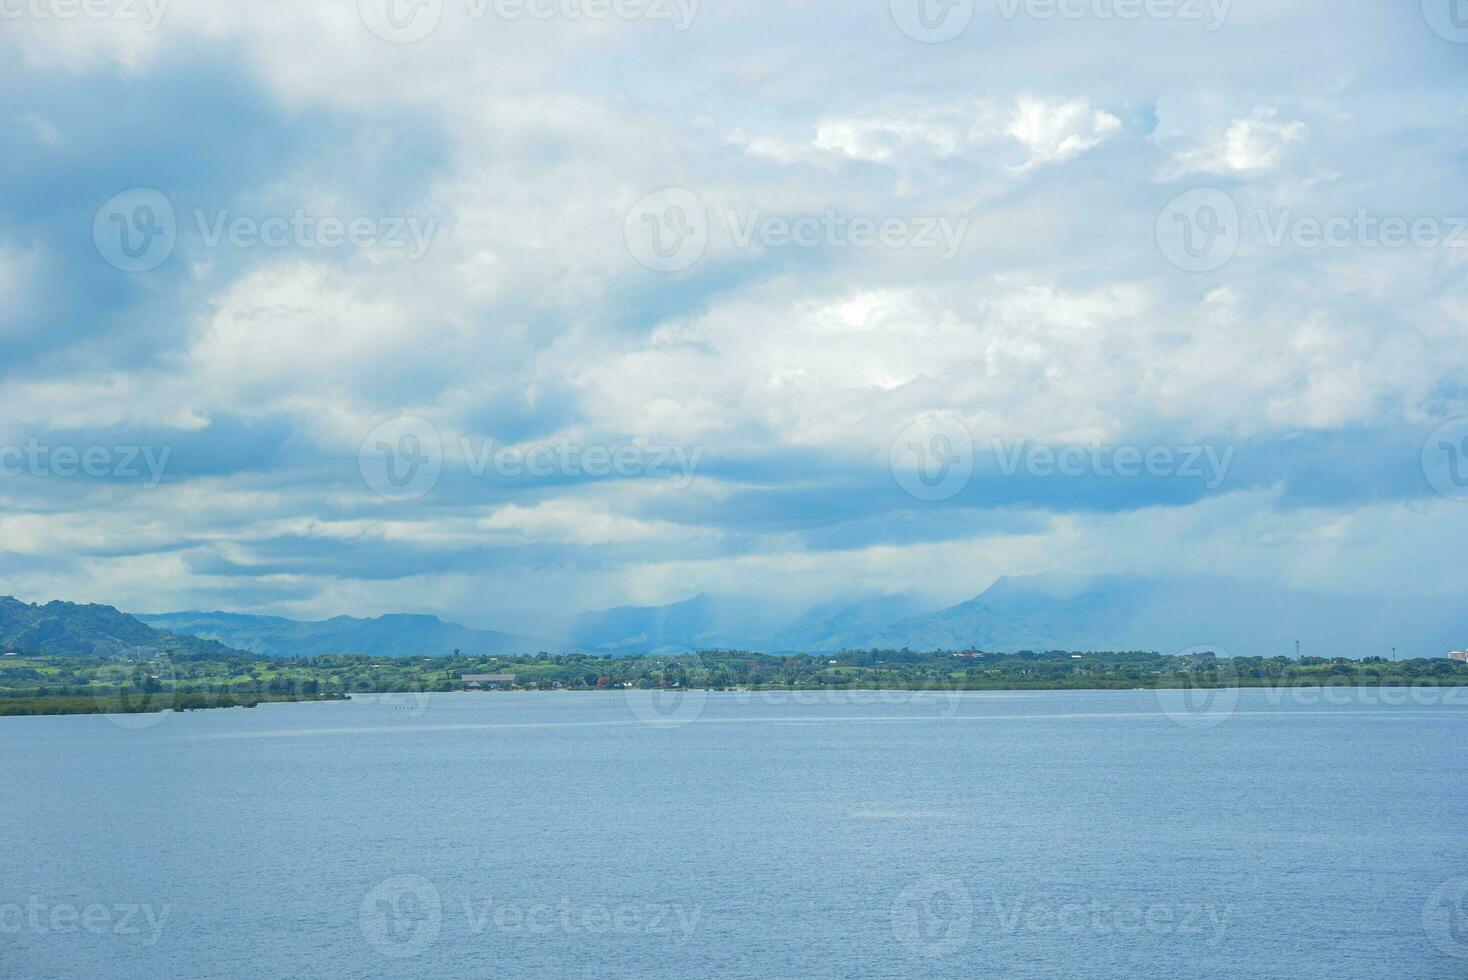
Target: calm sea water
column 761, row 836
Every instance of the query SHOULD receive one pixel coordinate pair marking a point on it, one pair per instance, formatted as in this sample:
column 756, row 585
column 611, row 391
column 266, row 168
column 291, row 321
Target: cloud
column 44, row 130
column 979, row 130
column 20, row 272
column 1253, row 145
column 792, row 369
column 1054, row 131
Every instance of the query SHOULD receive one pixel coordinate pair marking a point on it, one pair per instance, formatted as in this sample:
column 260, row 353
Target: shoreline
column 146, row 704
column 154, row 704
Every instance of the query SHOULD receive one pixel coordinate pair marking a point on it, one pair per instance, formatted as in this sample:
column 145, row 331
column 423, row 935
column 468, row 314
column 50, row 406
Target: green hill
column 396, row 635
column 67, row 629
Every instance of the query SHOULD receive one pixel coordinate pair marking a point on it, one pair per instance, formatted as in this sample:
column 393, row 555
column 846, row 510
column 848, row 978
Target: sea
column 1239, row 833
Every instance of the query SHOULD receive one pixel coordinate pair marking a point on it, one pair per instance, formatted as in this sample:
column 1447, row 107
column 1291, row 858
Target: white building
column 477, row 682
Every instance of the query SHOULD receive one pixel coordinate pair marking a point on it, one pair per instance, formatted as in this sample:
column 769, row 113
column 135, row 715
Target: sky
column 509, row 309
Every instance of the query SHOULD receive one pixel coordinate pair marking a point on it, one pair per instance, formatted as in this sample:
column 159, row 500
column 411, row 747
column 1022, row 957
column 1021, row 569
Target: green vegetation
column 69, row 629
column 63, row 685
column 31, row 685
column 129, row 704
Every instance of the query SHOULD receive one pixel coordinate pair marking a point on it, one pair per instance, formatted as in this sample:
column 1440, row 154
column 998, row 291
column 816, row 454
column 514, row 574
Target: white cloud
column 986, row 130
column 42, row 128
column 1256, row 144
column 1053, row 130
column 529, row 318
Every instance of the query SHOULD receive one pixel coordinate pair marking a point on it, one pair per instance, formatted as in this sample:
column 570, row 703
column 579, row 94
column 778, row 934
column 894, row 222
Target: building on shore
column 1460, row 655
column 482, row 682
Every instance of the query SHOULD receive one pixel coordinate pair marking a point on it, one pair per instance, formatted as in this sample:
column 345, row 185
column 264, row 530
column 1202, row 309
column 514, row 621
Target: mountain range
column 397, row 635
column 1053, row 612
column 708, row 622
column 1168, row 615
column 1060, row 612
column 68, row 629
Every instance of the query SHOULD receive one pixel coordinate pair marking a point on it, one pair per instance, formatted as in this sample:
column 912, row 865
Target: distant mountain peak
column 61, row 628
column 1028, row 612
column 388, row 635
